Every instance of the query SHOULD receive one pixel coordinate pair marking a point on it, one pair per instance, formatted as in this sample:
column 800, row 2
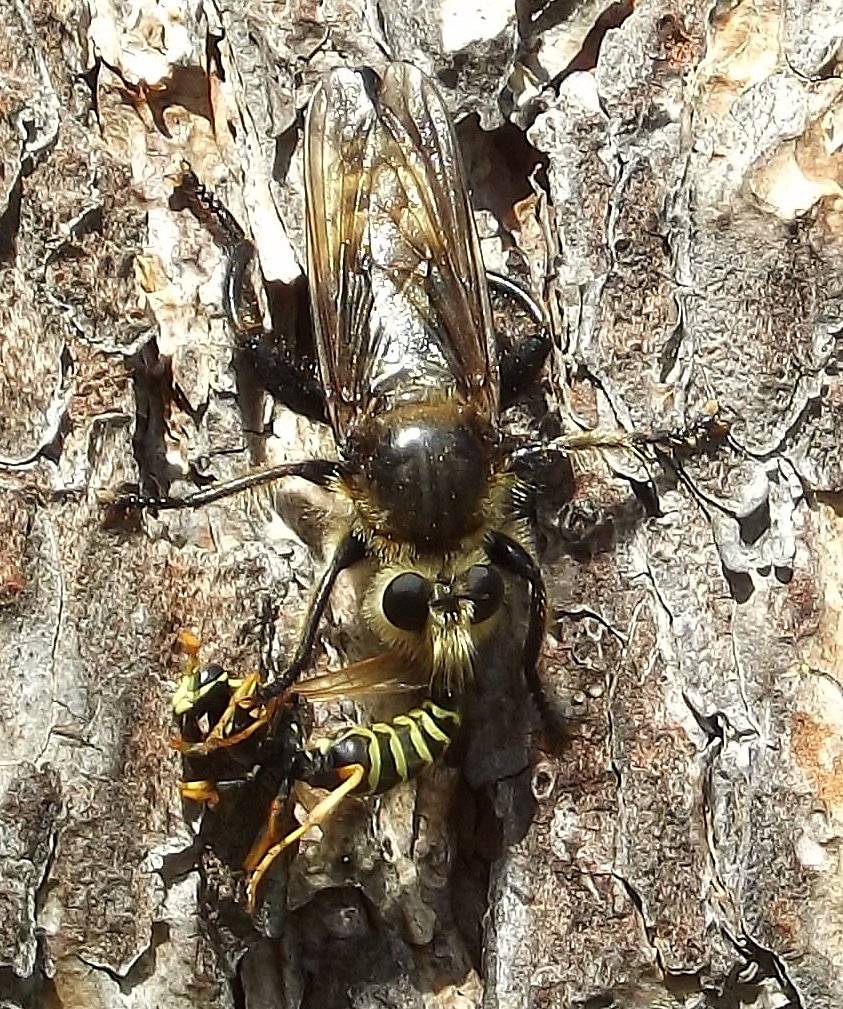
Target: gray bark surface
column 686, row 234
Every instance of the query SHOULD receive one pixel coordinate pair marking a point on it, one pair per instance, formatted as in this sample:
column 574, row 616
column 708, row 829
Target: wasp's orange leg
column 268, row 838
column 218, row 738
column 200, row 791
column 318, row 815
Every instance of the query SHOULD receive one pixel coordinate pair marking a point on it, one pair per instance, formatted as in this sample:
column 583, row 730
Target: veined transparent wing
column 398, row 290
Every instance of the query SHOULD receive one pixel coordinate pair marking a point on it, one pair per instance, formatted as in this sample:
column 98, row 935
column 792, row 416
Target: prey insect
column 362, row 760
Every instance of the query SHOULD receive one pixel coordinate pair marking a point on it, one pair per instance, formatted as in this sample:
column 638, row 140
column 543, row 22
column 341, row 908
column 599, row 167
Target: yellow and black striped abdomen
column 389, row 752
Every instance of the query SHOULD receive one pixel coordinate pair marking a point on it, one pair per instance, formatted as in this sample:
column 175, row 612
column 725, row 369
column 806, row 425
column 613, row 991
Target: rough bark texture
column 687, row 233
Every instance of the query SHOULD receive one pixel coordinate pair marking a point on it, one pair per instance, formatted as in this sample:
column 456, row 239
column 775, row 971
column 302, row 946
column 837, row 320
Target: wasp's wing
column 387, row 673
column 398, row 291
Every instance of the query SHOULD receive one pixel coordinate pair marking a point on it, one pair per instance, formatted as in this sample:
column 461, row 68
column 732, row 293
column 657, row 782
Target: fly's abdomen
column 389, row 752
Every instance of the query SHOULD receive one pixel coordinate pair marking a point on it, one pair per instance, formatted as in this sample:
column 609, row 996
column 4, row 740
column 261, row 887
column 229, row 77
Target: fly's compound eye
column 485, row 590
column 406, row 601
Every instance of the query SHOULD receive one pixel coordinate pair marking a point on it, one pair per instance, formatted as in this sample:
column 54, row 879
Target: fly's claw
column 708, row 429
column 191, row 194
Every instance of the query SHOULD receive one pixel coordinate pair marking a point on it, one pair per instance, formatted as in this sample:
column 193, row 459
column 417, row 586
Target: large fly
column 411, row 382
column 411, row 386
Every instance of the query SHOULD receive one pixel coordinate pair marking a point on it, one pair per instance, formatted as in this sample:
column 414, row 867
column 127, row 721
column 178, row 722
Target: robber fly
column 411, row 383
column 412, row 387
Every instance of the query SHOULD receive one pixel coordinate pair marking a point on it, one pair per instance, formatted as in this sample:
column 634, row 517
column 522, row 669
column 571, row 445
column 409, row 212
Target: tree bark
column 668, row 180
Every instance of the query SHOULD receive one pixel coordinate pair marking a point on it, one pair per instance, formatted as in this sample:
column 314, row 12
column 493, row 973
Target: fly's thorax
column 423, row 474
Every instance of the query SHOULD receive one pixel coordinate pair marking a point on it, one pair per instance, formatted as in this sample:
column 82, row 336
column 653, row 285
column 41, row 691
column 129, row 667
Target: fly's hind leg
column 241, row 303
column 288, row 381
column 303, row 392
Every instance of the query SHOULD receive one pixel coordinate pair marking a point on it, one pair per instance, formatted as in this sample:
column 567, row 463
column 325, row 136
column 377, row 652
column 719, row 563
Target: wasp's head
column 437, row 620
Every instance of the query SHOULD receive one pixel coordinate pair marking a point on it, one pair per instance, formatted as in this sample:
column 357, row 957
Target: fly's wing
column 398, row 290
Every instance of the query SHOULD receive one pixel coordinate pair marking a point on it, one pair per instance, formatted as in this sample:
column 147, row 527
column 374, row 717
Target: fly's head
column 435, row 611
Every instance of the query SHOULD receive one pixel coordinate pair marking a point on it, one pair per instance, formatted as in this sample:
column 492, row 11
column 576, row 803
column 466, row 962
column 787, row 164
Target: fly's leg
column 707, row 429
column 350, row 550
column 241, row 303
column 511, row 556
column 538, row 464
column 190, row 194
column 248, row 701
column 317, row 471
column 287, row 382
column 518, row 365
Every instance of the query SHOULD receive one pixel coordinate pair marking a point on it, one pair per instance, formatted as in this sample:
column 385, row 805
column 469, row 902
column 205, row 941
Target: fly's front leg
column 258, row 701
column 508, row 554
column 350, row 551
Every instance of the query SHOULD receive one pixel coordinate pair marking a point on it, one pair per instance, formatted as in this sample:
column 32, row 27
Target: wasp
column 218, row 714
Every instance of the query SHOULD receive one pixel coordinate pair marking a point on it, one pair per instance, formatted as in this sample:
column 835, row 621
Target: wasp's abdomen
column 390, row 752
column 424, row 474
